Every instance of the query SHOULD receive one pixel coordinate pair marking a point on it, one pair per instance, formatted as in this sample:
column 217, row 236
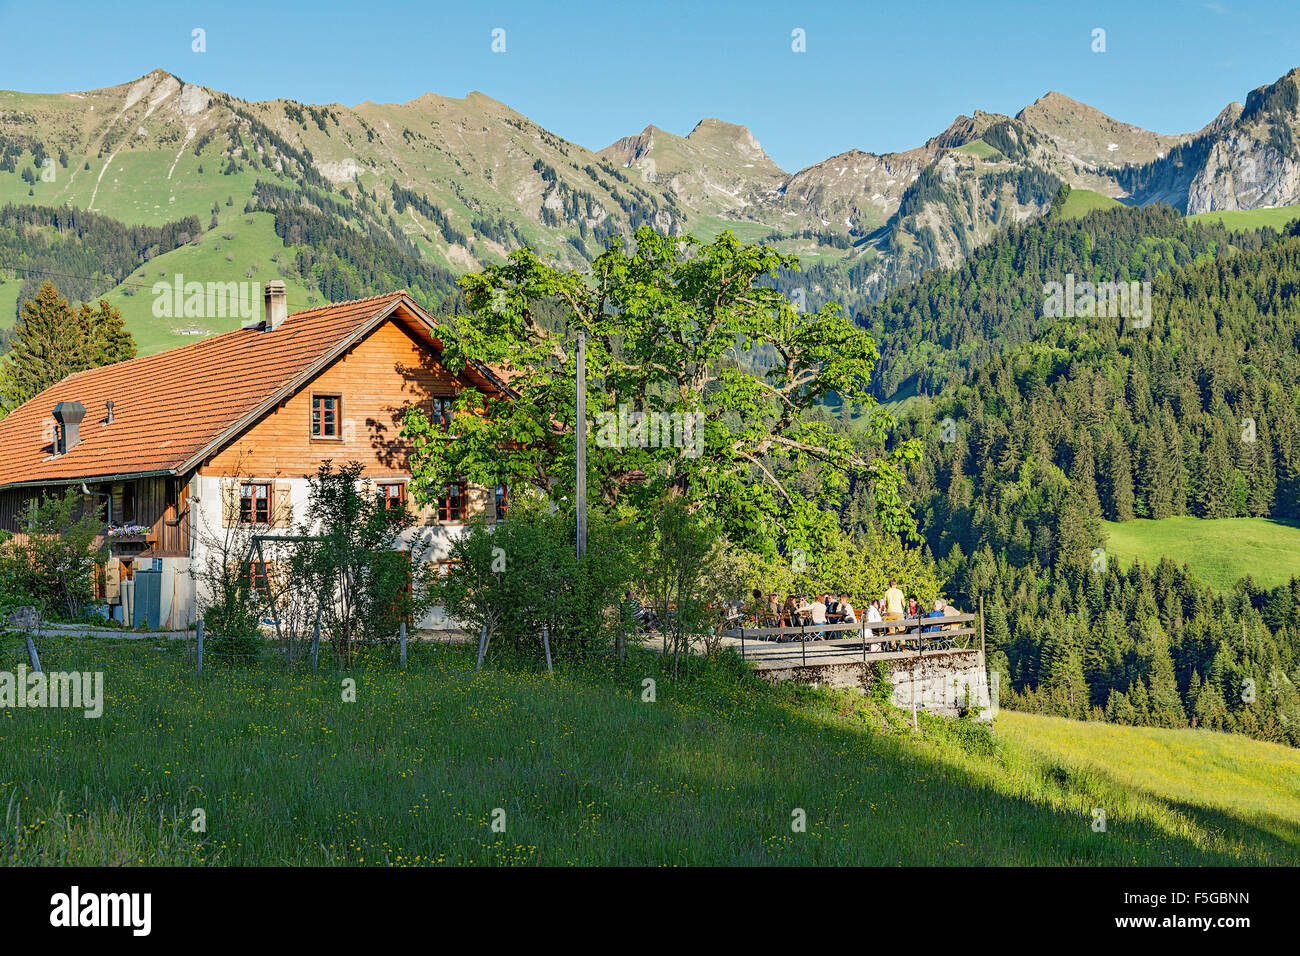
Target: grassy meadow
column 1279, row 217
column 1080, row 202
column 1219, row 551
column 713, row 771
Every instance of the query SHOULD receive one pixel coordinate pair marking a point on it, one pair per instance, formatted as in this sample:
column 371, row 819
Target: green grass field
column 583, row 771
column 254, row 248
column 1220, row 551
column 1278, row 217
column 1080, row 202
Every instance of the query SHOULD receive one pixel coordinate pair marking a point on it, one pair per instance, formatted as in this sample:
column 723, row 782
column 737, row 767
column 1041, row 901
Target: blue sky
column 875, row 76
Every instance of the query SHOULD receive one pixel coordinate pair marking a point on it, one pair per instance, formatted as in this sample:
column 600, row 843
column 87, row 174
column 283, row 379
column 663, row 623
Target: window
column 451, row 503
column 254, row 503
column 255, row 576
column 325, row 415
column 394, row 495
column 442, row 413
column 501, row 498
column 446, row 566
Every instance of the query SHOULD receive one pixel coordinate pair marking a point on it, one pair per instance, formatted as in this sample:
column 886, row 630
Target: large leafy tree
column 687, row 330
column 52, row 341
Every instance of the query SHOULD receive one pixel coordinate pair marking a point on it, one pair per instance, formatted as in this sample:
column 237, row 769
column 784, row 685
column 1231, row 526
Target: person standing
column 893, row 603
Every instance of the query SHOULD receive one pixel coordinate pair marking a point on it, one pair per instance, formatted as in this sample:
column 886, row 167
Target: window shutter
column 112, row 582
column 229, row 504
column 425, row 514
column 282, row 516
column 476, row 501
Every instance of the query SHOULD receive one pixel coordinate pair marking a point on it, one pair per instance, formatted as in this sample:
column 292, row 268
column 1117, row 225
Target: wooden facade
column 158, row 504
column 376, row 381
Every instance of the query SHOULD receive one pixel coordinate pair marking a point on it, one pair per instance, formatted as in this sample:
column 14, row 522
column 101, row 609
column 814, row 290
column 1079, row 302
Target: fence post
column 198, row 634
column 803, row 645
column 546, row 645
column 401, row 637
column 31, row 652
column 482, row 647
column 742, row 641
column 315, row 642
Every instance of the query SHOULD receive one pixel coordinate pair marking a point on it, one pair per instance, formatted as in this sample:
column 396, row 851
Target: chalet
column 174, row 447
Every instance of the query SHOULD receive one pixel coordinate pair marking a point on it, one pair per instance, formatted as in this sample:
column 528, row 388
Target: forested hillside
column 933, row 332
column 1196, row 414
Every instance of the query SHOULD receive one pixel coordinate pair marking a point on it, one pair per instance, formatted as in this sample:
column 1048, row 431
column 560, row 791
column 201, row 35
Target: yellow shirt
column 894, row 601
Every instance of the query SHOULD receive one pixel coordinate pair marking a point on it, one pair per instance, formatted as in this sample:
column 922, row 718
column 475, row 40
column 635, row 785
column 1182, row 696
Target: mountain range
column 453, row 183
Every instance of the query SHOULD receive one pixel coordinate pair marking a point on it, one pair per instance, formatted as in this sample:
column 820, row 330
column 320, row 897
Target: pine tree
column 52, row 342
column 105, row 335
column 48, row 346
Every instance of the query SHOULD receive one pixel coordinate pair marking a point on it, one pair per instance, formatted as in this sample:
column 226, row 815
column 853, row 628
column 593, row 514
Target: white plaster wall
column 207, row 494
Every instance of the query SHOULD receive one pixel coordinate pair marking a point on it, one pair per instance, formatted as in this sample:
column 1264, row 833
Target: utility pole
column 582, row 443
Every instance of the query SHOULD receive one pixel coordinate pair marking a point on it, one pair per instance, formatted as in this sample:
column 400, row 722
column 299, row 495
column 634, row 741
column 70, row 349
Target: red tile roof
column 173, row 408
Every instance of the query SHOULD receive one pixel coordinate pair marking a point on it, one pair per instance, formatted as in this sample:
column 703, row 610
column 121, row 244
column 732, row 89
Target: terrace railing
column 955, row 631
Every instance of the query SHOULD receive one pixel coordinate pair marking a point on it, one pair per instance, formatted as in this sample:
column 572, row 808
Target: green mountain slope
column 1219, row 551
column 469, row 179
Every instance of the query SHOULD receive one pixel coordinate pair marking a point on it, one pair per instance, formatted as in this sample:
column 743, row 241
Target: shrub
column 55, row 561
column 522, row 576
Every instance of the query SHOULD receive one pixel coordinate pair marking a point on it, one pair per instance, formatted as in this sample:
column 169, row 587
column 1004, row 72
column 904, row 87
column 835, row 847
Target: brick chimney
column 277, row 305
column 69, row 416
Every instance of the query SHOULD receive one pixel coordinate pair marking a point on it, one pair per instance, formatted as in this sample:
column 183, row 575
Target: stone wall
column 939, row 682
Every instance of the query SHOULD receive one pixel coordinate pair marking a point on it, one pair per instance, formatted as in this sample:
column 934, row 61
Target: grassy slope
column 1219, row 551
column 252, row 247
column 1080, row 202
column 1277, row 217
column 1221, row 773
column 587, row 772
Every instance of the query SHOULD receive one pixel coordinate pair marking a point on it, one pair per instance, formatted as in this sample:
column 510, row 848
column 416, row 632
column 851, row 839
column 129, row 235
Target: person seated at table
column 874, row 615
column 643, row 617
column 774, row 610
column 789, row 615
column 936, row 611
column 844, row 611
column 817, row 615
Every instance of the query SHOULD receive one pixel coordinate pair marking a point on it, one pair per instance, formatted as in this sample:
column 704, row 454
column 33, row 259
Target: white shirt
column 847, row 610
column 818, row 612
column 873, row 614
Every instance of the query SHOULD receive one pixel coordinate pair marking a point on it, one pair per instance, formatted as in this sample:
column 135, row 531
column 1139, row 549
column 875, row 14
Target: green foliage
column 52, row 561
column 52, row 342
column 667, row 325
column 521, row 577
column 938, row 331
column 348, row 558
column 88, row 252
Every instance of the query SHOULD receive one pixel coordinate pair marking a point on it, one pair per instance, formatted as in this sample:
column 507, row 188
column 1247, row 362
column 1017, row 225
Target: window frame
column 389, row 500
column 443, row 419
column 252, row 498
column 338, row 416
column 442, row 503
